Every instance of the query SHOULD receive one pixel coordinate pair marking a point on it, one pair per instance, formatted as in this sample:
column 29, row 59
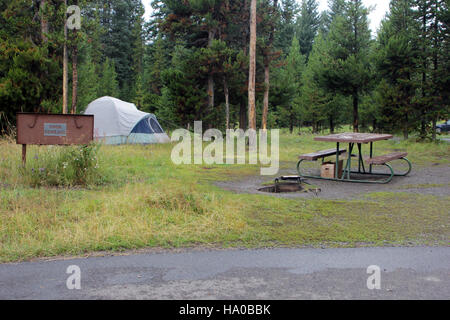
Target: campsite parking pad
column 433, row 179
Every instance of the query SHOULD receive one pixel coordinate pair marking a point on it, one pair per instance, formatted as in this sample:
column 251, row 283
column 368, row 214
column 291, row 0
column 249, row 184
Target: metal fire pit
column 285, row 184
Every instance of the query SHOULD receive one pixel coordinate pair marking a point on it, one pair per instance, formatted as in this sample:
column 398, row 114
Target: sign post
column 24, row 154
column 53, row 129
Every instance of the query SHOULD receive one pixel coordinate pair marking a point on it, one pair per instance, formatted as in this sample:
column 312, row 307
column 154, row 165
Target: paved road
column 406, row 273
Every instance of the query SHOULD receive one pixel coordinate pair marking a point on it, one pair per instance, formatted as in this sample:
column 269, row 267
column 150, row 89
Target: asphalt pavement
column 405, row 273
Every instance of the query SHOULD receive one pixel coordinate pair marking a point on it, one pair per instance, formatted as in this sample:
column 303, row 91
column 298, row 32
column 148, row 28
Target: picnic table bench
column 321, row 154
column 381, row 160
column 358, row 139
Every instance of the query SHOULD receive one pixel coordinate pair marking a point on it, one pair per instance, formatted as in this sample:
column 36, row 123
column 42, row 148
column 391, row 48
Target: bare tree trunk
column 210, row 92
column 211, row 35
column 355, row 113
column 266, row 96
column 243, row 116
column 44, row 22
column 331, row 124
column 227, row 102
column 74, row 75
column 315, row 127
column 405, row 128
column 252, row 69
column 267, row 74
column 423, row 126
column 434, row 136
column 435, row 67
column 65, row 62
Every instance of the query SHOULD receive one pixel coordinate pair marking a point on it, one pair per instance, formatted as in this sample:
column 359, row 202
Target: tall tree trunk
column 44, row 21
column 65, row 62
column 434, row 137
column 266, row 96
column 291, row 125
column 243, row 115
column 436, row 103
column 355, row 112
column 423, row 126
column 331, row 124
column 315, row 127
column 211, row 35
column 267, row 73
column 74, row 74
column 406, row 128
column 252, row 69
column 227, row 102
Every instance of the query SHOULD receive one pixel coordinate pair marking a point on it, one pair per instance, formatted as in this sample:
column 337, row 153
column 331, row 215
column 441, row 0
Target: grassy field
column 147, row 201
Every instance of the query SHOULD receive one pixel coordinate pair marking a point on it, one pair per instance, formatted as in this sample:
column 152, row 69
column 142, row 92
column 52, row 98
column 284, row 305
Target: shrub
column 65, row 166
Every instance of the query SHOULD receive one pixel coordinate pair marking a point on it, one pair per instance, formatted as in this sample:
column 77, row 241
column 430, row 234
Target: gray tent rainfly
column 119, row 122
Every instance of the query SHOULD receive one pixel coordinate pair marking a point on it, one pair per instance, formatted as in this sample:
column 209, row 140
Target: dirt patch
column 430, row 180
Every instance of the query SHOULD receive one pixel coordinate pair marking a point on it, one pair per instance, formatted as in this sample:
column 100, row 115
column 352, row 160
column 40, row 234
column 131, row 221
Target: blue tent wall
column 147, row 131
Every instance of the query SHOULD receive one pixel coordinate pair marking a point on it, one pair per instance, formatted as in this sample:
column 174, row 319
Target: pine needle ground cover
column 143, row 200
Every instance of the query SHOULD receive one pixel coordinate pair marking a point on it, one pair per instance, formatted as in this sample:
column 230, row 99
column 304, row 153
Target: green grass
column 150, row 202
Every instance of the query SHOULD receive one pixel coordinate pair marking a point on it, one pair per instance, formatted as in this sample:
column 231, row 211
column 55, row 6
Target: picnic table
column 358, row 139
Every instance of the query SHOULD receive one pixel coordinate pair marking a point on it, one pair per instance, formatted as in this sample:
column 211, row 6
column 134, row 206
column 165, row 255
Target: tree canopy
column 190, row 61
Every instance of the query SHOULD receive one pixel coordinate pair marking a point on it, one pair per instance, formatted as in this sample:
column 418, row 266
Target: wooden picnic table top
column 353, row 137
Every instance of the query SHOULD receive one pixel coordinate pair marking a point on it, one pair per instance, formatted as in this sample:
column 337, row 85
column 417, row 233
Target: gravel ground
column 431, row 180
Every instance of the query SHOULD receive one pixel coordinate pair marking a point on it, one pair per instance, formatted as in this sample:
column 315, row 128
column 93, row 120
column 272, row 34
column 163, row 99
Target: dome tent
column 119, row 122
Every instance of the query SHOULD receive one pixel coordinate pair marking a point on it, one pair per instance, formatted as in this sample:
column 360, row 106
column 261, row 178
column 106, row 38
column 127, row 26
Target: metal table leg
column 337, row 162
column 361, row 160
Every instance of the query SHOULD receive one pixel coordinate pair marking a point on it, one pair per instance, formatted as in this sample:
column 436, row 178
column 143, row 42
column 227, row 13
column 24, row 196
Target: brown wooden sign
column 53, row 129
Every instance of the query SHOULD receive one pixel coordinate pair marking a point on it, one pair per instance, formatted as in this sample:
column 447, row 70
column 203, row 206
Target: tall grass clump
column 65, row 167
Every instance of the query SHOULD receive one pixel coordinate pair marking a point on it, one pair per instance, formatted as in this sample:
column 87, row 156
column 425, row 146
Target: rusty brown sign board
column 54, row 129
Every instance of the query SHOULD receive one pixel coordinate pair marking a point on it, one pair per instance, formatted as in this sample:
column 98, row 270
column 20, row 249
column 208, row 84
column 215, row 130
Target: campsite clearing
column 150, row 202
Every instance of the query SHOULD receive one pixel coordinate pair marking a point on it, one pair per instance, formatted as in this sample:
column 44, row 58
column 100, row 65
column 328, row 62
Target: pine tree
column 108, row 85
column 121, row 22
column 439, row 71
column 88, row 89
column 307, row 25
column 30, row 73
column 336, row 8
column 348, row 70
column 295, row 65
column 183, row 92
column 314, row 96
column 138, row 54
column 139, row 94
column 396, row 62
column 269, row 56
column 156, row 60
column 287, row 27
